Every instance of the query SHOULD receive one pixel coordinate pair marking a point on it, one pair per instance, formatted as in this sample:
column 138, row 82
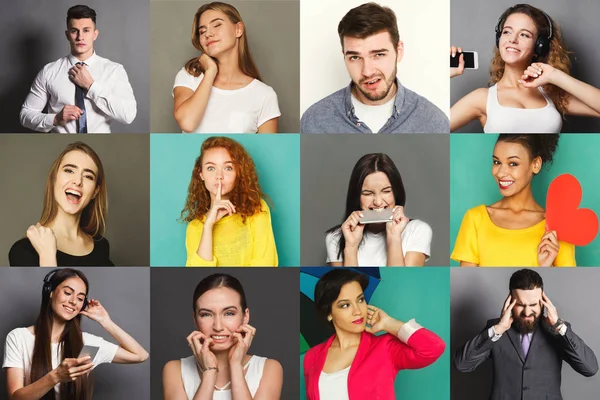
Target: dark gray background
column 33, row 35
column 124, row 293
column 478, row 294
column 25, row 161
column 472, row 28
column 273, row 31
column 326, row 164
column 272, row 297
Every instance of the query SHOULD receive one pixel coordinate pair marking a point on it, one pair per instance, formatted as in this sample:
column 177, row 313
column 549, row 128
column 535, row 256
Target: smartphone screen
column 373, row 217
column 89, row 351
column 469, row 57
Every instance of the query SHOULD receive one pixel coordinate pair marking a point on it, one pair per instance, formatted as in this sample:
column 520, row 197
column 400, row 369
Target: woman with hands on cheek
column 43, row 361
column 229, row 222
column 376, row 185
column 532, row 90
column 355, row 363
column 513, row 231
column 220, row 367
column 70, row 231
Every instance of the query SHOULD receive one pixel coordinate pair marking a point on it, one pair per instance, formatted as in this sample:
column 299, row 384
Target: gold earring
column 329, row 319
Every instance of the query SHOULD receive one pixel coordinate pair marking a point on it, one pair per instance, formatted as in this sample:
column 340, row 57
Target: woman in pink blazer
column 354, row 364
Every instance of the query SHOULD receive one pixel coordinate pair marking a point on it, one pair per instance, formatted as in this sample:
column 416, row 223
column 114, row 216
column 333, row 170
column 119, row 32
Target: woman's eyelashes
column 205, row 314
column 70, row 171
column 523, row 34
column 510, row 164
column 346, row 304
column 67, row 293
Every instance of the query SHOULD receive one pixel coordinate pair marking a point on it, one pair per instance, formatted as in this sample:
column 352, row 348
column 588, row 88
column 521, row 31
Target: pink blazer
column 377, row 361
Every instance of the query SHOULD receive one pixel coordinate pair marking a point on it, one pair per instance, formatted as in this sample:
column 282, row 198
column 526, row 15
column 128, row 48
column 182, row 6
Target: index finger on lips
column 219, row 186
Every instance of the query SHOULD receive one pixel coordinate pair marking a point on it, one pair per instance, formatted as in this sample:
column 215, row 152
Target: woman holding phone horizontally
column 43, row 361
column 229, row 222
column 512, row 232
column 70, row 231
column 220, row 367
column 375, row 184
column 531, row 88
column 221, row 90
column 355, row 363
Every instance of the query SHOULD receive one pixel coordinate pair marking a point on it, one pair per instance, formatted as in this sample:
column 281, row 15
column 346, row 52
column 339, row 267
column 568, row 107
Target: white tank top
column 191, row 379
column 334, row 386
column 502, row 119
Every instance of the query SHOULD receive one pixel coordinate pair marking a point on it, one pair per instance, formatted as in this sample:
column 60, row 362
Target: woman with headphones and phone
column 531, row 90
column 53, row 358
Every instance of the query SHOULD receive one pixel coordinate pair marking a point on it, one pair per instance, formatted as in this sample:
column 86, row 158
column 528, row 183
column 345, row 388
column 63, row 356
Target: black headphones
column 48, row 287
column 542, row 44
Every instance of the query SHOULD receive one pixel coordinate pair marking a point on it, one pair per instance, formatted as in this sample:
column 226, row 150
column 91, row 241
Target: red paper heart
column 578, row 226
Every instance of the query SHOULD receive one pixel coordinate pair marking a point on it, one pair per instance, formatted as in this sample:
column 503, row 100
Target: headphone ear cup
column 498, row 34
column 542, row 47
column 85, row 303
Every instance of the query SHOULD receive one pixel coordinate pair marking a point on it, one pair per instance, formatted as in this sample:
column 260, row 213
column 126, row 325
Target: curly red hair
column 246, row 194
column 558, row 56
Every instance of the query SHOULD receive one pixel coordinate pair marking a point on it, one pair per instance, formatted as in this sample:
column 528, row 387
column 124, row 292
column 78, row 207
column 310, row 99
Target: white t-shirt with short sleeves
column 233, row 111
column 372, row 252
column 18, row 351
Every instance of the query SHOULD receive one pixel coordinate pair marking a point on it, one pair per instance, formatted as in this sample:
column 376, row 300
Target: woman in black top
column 71, row 228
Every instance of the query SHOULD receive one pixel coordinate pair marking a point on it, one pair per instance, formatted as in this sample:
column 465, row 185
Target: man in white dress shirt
column 82, row 92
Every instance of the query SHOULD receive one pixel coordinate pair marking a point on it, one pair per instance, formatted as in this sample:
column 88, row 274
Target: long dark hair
column 70, row 343
column 368, row 164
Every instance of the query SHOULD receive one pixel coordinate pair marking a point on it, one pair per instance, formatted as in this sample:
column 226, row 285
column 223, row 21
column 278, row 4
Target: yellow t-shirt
column 481, row 242
column 235, row 243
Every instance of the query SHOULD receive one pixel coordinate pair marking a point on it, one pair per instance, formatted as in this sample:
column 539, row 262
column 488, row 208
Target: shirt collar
column 89, row 62
column 397, row 102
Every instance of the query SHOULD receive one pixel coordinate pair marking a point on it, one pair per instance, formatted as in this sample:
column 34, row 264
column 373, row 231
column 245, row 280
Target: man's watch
column 559, row 323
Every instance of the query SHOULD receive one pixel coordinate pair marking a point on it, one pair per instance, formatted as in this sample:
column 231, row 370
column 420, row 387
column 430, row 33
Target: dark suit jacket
column 536, row 377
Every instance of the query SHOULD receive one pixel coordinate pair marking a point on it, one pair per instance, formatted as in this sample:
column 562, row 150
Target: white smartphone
column 374, row 217
column 471, row 60
column 89, row 351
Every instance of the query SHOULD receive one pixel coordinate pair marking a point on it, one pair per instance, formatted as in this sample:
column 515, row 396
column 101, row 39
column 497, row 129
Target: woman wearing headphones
column 221, row 90
column 43, row 361
column 531, row 90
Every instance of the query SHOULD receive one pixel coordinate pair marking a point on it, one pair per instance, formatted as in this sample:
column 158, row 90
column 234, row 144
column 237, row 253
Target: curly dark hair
column 538, row 145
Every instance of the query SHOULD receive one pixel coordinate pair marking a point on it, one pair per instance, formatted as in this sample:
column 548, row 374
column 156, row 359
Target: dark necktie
column 79, row 102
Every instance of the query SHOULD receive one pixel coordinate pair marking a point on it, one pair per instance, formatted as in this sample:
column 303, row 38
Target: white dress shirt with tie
column 109, row 98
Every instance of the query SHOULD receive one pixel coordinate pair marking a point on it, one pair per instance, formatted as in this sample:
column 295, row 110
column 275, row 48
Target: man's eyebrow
column 352, row 53
column 379, row 51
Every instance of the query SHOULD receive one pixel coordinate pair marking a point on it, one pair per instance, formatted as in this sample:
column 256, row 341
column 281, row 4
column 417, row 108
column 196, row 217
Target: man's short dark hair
column 80, row 12
column 526, row 279
column 368, row 19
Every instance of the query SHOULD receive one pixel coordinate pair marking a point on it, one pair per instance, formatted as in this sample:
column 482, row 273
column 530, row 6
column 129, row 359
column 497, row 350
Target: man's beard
column 526, row 326
column 375, row 96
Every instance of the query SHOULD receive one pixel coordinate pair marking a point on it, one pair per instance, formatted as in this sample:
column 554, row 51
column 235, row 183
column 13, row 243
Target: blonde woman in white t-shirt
column 221, row 90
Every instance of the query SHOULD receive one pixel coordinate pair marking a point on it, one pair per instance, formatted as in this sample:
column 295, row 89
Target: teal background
column 172, row 157
column 472, row 184
column 423, row 294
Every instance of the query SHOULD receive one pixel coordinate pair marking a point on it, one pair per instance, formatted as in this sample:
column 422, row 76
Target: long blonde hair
column 245, row 60
column 558, row 56
column 93, row 215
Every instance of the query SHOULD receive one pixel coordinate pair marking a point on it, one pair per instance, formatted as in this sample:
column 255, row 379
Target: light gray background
column 478, row 294
column 25, row 161
column 124, row 293
column 33, row 35
column 271, row 295
column 273, row 31
column 473, row 24
column 326, row 165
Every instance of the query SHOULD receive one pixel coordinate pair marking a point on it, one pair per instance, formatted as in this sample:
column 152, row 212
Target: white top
column 191, row 379
column 373, row 249
column 375, row 117
column 110, row 97
column 18, row 351
column 502, row 119
column 233, row 111
column 334, row 386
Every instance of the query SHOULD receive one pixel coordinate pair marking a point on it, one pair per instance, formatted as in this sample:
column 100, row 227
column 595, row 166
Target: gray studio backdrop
column 25, row 161
column 124, row 293
column 272, row 297
column 472, row 27
column 273, row 30
column 33, row 35
column 478, row 294
column 326, row 165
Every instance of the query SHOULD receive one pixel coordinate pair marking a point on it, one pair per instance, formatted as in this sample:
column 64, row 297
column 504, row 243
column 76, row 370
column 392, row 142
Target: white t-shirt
column 375, row 117
column 373, row 249
column 334, row 386
column 233, row 111
column 18, row 351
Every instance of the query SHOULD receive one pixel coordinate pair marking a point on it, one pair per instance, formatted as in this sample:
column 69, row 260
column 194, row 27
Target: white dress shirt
column 109, row 98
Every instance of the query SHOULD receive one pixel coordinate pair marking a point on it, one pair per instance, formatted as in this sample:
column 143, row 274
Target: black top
column 22, row 254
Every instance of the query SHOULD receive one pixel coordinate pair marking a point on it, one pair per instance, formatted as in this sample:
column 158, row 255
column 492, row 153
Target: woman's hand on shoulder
column 537, row 74
column 96, row 312
column 244, row 335
column 352, row 229
column 461, row 62
column 548, row 249
column 42, row 239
